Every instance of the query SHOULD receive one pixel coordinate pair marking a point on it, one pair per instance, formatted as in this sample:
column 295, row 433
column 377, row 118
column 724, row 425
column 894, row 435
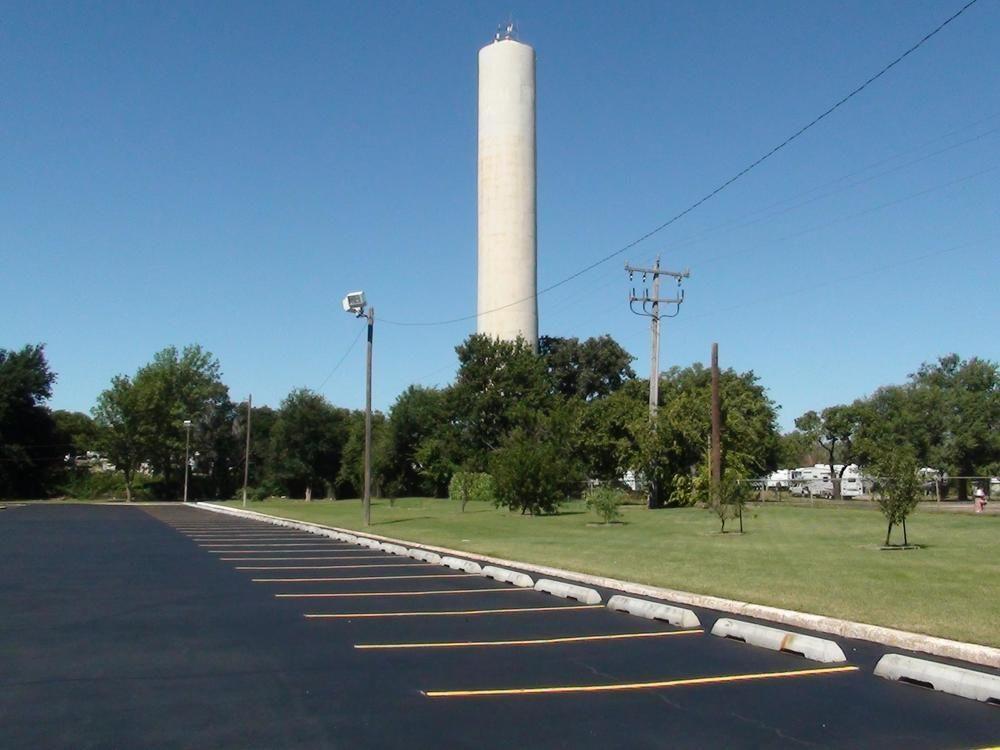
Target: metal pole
column 368, row 421
column 187, row 458
column 654, row 327
column 246, row 459
column 716, row 427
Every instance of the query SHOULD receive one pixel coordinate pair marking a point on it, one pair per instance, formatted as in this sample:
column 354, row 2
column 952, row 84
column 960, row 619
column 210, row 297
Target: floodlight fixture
column 354, row 303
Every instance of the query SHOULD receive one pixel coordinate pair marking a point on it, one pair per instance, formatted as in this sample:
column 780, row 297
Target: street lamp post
column 355, row 304
column 187, row 455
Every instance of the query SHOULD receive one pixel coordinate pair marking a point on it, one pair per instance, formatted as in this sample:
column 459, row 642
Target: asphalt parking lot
column 169, row 626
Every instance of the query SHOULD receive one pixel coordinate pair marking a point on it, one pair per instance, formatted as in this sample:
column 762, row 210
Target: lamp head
column 354, row 303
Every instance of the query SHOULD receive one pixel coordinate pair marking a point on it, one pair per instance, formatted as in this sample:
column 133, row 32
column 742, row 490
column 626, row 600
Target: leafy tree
column 471, row 486
column 797, row 448
column 263, row 419
column 678, row 445
column 605, row 501
column 122, row 435
column 29, row 454
column 536, row 467
column 501, row 385
column 835, row 430
column 587, row 370
column 308, row 443
column 947, row 416
column 418, row 415
column 75, row 431
column 174, row 387
column 351, row 477
column 967, row 396
column 608, row 430
column 900, row 489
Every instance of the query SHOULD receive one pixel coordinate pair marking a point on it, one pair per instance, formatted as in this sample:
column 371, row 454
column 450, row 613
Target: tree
column 834, row 430
column 351, row 477
column 263, row 419
column 174, row 387
column 471, row 486
column 308, row 444
column 501, row 385
column 677, row 446
column 605, row 500
column 966, row 394
column 900, row 488
column 537, row 466
column 75, row 431
column 419, row 414
column 587, row 370
column 608, row 432
column 29, row 453
column 796, row 448
column 122, row 436
column 947, row 417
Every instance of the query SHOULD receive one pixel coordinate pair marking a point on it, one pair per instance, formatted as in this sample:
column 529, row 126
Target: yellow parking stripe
column 398, row 593
column 335, row 557
column 454, row 612
column 531, row 642
column 637, row 685
column 334, row 567
column 362, row 578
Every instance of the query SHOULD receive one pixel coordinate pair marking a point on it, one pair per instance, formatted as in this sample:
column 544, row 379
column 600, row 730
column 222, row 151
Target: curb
column 928, row 644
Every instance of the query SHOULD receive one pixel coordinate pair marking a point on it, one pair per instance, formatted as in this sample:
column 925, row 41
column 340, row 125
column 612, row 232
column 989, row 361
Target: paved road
column 162, row 627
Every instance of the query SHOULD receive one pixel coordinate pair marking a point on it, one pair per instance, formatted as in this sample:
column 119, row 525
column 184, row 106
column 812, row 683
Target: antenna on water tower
column 508, row 31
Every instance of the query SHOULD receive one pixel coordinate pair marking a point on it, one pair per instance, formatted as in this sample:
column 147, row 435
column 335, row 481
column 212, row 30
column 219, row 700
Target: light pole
column 355, row 304
column 187, row 455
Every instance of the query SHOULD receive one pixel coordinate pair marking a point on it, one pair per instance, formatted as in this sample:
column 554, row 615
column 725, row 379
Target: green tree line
column 541, row 425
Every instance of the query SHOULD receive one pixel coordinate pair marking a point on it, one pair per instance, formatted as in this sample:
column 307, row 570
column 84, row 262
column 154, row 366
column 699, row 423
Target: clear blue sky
column 222, row 173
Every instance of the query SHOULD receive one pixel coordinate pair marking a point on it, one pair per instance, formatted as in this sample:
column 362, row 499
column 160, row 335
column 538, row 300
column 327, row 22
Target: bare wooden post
column 246, row 458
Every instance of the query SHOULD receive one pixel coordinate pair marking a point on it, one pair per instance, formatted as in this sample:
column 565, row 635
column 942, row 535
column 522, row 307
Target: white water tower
column 507, row 304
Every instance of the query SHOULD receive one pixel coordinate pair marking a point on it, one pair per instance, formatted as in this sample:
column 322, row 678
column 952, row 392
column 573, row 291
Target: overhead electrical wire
column 708, row 196
column 341, row 360
column 862, row 275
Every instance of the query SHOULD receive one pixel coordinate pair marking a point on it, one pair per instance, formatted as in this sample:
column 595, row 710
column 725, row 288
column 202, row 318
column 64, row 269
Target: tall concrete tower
column 507, row 229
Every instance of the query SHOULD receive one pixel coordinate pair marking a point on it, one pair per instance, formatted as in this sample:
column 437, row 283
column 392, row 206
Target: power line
column 341, row 360
column 866, row 274
column 676, row 217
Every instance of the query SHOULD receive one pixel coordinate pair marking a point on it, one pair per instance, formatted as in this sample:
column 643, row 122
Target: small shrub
column 476, row 486
column 101, row 485
column 605, row 502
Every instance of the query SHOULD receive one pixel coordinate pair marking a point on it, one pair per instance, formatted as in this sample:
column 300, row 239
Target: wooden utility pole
column 368, row 421
column 246, row 457
column 651, row 309
column 716, row 458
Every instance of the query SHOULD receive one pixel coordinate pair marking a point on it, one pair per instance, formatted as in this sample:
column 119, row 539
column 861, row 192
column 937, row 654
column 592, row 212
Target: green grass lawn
column 821, row 560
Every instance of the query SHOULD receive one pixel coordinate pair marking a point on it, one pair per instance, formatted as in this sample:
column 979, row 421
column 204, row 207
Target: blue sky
column 222, row 173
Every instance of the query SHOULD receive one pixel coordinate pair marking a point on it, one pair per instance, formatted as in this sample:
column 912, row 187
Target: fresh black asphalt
column 118, row 629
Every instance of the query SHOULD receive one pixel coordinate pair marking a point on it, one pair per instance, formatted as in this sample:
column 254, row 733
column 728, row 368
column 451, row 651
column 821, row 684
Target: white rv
column 815, row 481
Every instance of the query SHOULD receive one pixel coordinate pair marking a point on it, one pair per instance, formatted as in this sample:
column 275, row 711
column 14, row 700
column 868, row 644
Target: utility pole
column 651, row 309
column 716, row 427
column 368, row 421
column 246, row 458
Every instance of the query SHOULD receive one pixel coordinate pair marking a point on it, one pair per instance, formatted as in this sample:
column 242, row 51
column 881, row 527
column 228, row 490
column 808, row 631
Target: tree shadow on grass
column 402, row 520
